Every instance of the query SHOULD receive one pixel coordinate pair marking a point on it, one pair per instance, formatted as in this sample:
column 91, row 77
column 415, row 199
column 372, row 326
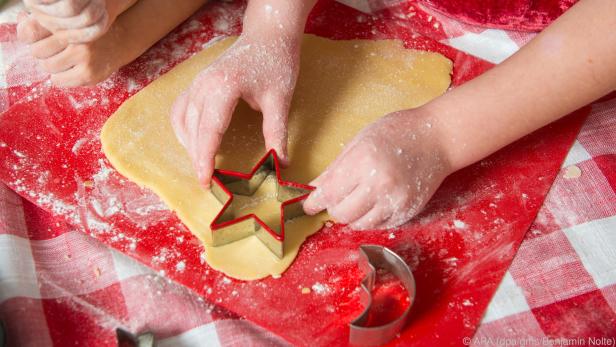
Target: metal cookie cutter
column 227, row 227
column 371, row 258
column 2, row 335
column 127, row 339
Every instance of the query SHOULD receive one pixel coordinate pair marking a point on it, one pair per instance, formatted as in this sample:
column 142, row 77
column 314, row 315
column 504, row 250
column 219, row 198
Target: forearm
column 116, row 8
column 282, row 18
column 147, row 21
column 570, row 64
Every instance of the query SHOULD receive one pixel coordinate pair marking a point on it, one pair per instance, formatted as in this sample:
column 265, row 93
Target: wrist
column 123, row 50
column 276, row 18
column 450, row 134
column 117, row 7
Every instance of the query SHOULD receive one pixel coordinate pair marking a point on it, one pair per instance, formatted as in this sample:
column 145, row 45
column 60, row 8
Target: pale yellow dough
column 343, row 86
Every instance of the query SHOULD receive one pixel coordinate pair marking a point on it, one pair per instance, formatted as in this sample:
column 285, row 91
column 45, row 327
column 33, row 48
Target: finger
column 353, row 206
column 331, row 192
column 211, row 131
column 79, row 75
column 61, row 62
column 395, row 220
column 85, row 35
column 47, row 47
column 178, row 115
column 66, row 8
column 191, row 126
column 318, row 181
column 371, row 219
column 29, row 31
column 204, row 89
column 93, row 13
column 30, row 3
column 22, row 16
column 275, row 114
column 69, row 78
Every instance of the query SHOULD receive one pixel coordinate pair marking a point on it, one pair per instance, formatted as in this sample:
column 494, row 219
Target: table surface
column 562, row 282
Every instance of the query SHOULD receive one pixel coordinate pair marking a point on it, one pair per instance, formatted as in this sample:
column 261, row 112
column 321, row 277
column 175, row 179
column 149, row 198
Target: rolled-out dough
column 343, row 86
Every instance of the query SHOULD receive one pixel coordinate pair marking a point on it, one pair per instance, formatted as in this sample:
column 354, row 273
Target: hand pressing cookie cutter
column 227, row 227
column 372, row 257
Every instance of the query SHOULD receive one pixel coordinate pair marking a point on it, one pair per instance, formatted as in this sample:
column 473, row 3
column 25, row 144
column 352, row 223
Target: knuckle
column 211, row 76
column 68, row 8
column 27, row 32
column 88, row 16
column 385, row 181
column 46, row 21
column 274, row 133
column 49, row 64
column 24, row 35
column 341, row 216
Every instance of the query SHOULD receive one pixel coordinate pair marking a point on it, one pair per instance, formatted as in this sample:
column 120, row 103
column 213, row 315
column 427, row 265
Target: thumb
column 29, row 30
column 21, row 16
column 275, row 110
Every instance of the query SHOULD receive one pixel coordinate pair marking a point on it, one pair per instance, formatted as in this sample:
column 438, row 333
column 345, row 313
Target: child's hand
column 385, row 176
column 70, row 64
column 79, row 20
column 261, row 69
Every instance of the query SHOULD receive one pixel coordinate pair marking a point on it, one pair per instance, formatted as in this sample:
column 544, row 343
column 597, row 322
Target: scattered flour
column 320, row 288
column 459, row 224
column 180, row 266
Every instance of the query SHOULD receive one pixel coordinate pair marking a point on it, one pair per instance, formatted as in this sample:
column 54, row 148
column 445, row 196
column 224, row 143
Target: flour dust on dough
column 343, row 86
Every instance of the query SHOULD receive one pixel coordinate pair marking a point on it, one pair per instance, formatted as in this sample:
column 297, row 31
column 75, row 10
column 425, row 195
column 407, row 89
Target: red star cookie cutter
column 227, row 227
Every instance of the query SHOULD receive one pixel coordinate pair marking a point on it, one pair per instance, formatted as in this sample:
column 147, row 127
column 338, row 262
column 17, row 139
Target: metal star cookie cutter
column 227, row 227
column 372, row 257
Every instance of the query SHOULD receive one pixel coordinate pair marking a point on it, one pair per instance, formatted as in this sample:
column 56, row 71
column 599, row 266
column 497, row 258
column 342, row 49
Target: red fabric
column 529, row 15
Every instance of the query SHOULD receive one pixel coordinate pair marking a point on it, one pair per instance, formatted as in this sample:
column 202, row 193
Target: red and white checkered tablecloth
column 61, row 287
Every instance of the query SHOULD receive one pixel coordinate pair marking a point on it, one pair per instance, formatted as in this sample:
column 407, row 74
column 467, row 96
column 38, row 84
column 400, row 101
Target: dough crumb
column 306, row 290
column 276, row 276
column 572, row 172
